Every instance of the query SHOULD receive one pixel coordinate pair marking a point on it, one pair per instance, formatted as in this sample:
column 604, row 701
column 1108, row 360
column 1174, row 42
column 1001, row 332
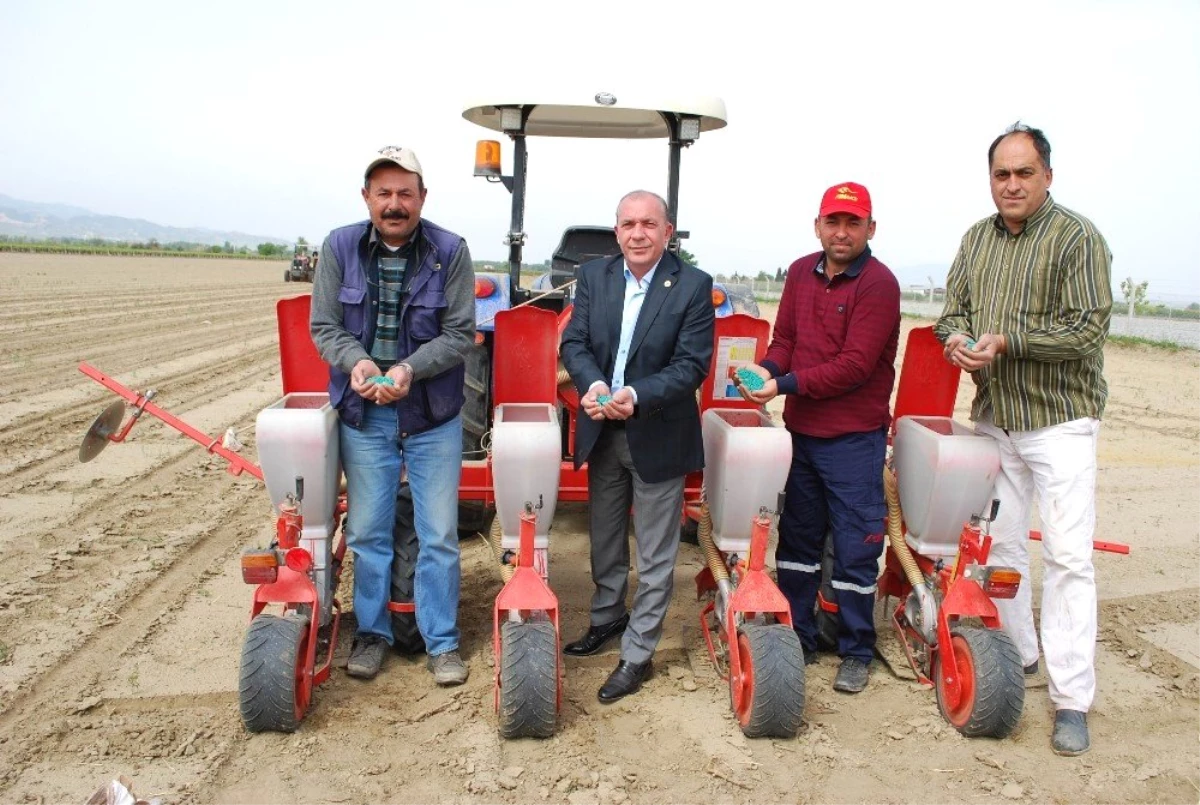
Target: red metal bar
column 321, row 673
column 1097, row 545
column 758, row 543
column 902, row 634
column 475, row 481
column 237, row 464
column 289, row 526
column 951, row 684
column 707, row 632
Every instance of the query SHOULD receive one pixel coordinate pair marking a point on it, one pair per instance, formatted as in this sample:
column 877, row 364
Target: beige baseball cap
column 404, row 157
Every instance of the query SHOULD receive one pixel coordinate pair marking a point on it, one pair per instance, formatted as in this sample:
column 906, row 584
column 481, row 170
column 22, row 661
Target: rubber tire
column 689, row 531
column 772, row 681
column 477, row 391
column 287, row 276
column 270, row 694
column 989, row 666
column 528, row 679
column 406, row 637
column 474, row 516
column 828, row 623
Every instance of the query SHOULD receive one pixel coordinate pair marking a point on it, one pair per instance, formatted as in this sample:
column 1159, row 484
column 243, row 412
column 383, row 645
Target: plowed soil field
column 122, row 611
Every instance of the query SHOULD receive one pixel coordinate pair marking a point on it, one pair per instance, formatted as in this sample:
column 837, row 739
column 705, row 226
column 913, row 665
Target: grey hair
column 1040, row 143
column 644, row 193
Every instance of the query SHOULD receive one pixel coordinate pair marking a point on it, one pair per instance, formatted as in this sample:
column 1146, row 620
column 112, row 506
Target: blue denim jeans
column 373, row 458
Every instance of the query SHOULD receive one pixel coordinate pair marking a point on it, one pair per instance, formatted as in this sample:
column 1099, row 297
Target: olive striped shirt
column 1047, row 291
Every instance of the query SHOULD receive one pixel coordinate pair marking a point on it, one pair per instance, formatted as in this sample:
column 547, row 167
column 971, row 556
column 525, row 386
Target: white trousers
column 1057, row 463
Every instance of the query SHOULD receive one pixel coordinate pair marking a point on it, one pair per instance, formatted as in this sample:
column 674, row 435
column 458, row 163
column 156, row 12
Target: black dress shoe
column 596, row 637
column 626, row 679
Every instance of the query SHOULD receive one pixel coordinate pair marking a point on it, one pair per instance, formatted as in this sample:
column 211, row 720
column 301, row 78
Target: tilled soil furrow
column 31, row 723
column 125, row 354
column 196, row 385
column 71, row 312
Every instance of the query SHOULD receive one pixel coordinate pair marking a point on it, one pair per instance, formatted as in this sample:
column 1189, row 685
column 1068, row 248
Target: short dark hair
column 1040, row 143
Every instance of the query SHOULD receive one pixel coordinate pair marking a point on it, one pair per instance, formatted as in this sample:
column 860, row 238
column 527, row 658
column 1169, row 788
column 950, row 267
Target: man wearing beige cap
column 832, row 354
column 393, row 314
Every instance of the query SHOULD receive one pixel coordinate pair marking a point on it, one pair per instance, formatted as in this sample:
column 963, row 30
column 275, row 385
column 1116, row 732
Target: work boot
column 448, row 669
column 1070, row 733
column 810, row 655
column 1031, row 669
column 851, row 676
column 366, row 656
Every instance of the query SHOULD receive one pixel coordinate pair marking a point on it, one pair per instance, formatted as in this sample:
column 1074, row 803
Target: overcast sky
column 260, row 116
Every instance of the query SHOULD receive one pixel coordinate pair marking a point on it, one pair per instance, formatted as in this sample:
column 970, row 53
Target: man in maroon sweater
column 832, row 354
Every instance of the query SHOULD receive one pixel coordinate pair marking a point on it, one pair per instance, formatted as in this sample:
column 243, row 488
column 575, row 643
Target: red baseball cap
column 848, row 197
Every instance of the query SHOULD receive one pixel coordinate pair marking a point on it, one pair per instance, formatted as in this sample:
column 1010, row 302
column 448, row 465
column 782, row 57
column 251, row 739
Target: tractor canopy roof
column 601, row 115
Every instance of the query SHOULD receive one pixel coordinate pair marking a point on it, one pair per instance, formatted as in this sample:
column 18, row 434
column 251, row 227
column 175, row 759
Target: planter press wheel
column 528, row 679
column 768, row 698
column 991, row 679
column 274, row 687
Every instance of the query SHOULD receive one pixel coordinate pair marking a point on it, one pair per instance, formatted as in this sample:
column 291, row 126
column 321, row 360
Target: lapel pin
column 667, row 284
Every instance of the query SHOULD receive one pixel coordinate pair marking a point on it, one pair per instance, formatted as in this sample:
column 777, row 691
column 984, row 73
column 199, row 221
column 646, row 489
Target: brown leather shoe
column 596, row 637
column 626, row 679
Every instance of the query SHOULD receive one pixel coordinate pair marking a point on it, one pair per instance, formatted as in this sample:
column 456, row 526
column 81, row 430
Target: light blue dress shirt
column 635, row 295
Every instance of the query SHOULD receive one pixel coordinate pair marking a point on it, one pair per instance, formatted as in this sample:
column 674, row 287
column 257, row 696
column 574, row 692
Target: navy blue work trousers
column 834, row 486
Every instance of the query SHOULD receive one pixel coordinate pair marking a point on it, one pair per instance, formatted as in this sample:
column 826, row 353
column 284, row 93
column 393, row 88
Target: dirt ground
column 122, row 611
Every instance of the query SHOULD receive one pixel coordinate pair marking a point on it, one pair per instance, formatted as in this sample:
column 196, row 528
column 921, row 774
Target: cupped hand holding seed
column 755, row 384
column 972, row 354
column 361, row 379
column 591, row 401
column 620, row 406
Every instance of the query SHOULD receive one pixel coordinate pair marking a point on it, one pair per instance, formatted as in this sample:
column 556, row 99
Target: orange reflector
column 478, row 338
column 1002, row 582
column 487, row 158
column 718, row 297
column 484, row 287
column 827, row 606
column 298, row 560
column 260, row 567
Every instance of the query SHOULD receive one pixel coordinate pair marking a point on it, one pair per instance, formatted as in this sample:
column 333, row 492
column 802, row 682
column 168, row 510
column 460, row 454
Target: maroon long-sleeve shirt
column 834, row 346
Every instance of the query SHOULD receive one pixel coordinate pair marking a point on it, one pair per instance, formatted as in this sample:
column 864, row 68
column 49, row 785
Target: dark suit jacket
column 668, row 360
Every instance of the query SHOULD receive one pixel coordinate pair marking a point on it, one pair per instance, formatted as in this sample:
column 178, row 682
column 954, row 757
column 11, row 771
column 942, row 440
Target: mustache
column 395, row 215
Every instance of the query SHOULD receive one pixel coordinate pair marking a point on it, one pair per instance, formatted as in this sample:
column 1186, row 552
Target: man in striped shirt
column 1028, row 301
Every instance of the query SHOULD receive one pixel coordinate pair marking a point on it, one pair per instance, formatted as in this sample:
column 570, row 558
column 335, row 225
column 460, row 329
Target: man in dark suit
column 638, row 347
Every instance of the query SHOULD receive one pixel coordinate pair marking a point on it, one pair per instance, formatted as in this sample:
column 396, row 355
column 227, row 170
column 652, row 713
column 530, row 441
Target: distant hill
column 32, row 219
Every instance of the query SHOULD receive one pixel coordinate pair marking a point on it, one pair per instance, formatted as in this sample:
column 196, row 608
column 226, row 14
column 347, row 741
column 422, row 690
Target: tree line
column 150, row 247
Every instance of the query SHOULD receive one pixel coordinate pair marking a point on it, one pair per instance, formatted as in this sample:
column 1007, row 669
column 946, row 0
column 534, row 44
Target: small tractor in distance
column 303, row 267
